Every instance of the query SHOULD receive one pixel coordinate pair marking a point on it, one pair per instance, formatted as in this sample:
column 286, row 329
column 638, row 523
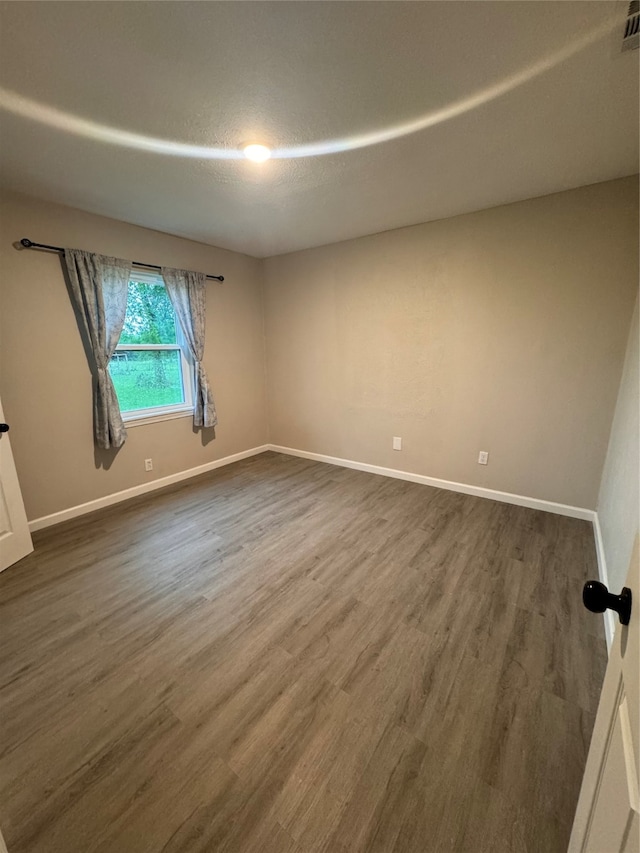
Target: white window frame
column 155, row 414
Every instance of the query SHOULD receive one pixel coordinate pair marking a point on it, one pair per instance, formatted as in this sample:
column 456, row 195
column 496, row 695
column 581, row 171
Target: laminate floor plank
column 284, row 656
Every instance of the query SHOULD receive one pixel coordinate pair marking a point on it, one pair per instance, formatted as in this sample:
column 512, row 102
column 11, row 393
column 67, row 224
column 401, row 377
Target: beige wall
column 618, row 502
column 45, row 381
column 502, row 330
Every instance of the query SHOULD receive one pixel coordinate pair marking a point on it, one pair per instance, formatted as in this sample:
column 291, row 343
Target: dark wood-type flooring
column 283, row 656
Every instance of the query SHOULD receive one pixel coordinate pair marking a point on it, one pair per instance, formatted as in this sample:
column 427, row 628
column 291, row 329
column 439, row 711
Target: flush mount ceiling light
column 26, row 108
column 257, row 153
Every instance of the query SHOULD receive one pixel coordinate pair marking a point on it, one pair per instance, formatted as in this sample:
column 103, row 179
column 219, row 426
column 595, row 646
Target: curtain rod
column 29, row 244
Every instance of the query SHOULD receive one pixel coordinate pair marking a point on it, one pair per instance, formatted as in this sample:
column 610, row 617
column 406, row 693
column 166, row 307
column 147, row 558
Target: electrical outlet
column 148, row 464
column 483, row 457
column 397, row 442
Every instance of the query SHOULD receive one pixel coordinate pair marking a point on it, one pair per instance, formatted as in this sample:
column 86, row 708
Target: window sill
column 137, row 419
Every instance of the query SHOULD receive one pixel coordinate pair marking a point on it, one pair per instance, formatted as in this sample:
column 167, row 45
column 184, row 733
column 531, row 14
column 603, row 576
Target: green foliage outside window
column 149, row 318
column 147, row 378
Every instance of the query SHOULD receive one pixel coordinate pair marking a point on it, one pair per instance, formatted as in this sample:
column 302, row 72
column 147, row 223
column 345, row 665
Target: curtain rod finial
column 26, row 243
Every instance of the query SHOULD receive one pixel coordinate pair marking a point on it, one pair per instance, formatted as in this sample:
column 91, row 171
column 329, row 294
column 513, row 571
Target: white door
column 607, row 818
column 15, row 539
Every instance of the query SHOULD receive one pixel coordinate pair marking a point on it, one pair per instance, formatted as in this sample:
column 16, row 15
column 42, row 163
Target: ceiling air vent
column 631, row 38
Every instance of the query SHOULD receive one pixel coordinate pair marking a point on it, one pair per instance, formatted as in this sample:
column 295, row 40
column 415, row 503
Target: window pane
column 147, row 378
column 150, row 318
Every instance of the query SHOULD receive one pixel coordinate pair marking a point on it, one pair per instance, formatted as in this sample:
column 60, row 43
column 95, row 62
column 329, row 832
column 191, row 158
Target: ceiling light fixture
column 257, row 153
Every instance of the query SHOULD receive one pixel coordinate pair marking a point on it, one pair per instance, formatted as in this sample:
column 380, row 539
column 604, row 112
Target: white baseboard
column 609, row 619
column 465, row 488
column 142, row 489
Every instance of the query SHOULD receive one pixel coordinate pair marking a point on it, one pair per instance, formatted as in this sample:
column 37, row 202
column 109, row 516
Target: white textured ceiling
column 516, row 99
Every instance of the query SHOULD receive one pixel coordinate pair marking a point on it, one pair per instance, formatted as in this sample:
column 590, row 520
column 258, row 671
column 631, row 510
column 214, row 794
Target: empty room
column 319, row 427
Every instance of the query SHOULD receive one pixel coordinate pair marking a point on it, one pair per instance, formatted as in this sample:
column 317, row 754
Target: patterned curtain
column 187, row 291
column 100, row 286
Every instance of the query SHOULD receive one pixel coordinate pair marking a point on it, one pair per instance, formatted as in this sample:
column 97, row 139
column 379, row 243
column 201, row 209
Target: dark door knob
column 4, row 427
column 597, row 598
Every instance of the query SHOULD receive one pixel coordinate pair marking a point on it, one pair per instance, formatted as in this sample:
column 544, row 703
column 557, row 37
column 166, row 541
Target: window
column 151, row 368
